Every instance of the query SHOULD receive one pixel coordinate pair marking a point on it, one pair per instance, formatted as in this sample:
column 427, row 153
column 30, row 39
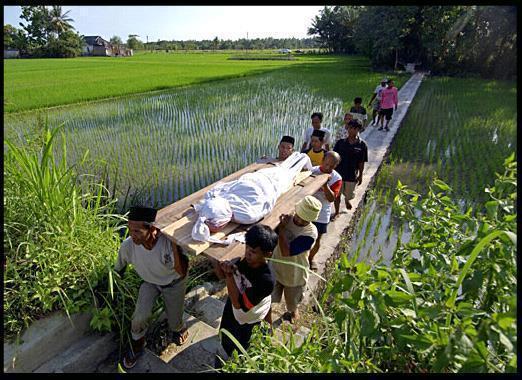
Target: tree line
column 220, row 44
column 446, row 39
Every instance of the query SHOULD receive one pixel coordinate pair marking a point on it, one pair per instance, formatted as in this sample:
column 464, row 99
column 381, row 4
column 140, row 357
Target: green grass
column 37, row 83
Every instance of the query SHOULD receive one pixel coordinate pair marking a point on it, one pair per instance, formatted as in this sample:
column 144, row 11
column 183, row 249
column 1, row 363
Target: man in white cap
column 163, row 269
column 377, row 105
column 297, row 235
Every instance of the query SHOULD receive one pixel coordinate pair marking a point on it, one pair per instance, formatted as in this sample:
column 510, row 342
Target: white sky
column 186, row 22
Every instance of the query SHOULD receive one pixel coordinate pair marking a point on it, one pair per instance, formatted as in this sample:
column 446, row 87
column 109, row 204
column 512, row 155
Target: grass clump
column 61, row 239
column 58, row 236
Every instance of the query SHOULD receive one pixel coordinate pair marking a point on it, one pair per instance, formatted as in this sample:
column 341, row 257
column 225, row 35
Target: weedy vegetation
column 449, row 309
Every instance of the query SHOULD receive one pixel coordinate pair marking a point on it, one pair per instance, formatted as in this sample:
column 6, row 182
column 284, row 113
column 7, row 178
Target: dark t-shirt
column 351, row 156
column 362, row 110
column 256, row 284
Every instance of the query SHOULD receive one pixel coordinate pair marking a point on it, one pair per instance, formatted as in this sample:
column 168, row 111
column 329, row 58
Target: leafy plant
column 449, row 309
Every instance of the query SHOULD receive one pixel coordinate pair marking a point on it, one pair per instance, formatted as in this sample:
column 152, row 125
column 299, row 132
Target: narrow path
column 379, row 143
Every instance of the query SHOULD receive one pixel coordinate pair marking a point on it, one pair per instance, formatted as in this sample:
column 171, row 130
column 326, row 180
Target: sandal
column 180, row 337
column 287, row 316
column 130, row 358
column 313, row 266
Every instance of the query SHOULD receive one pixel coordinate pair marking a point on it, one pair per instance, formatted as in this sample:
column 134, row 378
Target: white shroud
column 253, row 195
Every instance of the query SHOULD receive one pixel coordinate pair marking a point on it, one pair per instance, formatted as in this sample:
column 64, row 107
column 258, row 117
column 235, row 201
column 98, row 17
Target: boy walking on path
column 342, row 132
column 389, row 100
column 317, row 118
column 377, row 105
column 326, row 195
column 316, row 152
column 163, row 269
column 297, row 235
column 250, row 283
column 359, row 112
column 354, row 153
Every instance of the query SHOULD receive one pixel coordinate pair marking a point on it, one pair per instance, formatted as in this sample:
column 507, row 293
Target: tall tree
column 335, row 26
column 11, row 36
column 37, row 26
column 116, row 41
column 133, row 42
column 60, row 22
column 444, row 38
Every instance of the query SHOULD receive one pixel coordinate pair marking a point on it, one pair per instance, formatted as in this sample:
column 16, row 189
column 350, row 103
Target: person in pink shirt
column 389, row 101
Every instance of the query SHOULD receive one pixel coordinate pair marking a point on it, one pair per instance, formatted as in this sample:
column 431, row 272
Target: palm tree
column 60, row 22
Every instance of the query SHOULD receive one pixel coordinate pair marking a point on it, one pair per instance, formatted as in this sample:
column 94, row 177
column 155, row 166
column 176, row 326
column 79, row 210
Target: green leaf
column 339, row 317
column 111, row 288
column 505, row 341
column 441, row 185
column 506, row 322
column 512, row 236
column 430, row 312
column 368, row 323
column 491, row 208
column 399, row 298
column 120, row 369
column 473, row 284
column 473, row 365
column 512, row 365
column 344, row 261
column 484, row 242
column 420, row 342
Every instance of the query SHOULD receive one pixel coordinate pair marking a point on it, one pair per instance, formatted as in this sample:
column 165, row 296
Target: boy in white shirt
column 317, row 118
column 326, row 195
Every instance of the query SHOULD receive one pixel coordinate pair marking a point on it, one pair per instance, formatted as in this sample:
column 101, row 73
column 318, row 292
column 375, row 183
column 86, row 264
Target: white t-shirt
column 326, row 210
column 155, row 266
column 378, row 90
column 307, row 137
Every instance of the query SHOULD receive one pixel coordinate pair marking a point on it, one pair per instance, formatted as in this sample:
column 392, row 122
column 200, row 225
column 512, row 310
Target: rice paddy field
column 162, row 146
column 37, row 83
column 458, row 130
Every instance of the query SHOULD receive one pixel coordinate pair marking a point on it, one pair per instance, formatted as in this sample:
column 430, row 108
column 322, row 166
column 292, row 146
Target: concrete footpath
column 378, row 145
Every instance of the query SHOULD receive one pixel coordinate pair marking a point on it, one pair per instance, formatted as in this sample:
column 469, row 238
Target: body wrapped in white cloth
column 247, row 199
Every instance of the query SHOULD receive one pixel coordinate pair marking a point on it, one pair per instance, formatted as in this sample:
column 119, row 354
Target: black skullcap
column 288, row 139
column 355, row 123
column 318, row 133
column 142, row 214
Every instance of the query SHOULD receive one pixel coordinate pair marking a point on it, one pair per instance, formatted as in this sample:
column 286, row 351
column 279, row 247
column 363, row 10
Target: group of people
column 254, row 282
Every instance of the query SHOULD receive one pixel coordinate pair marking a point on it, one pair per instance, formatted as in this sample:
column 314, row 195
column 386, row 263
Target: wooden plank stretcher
column 176, row 220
